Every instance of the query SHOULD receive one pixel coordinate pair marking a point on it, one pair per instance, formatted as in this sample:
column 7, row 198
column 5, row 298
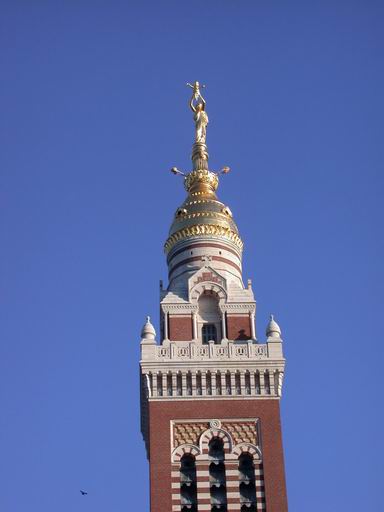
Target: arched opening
column 188, row 490
column 209, row 316
column 247, row 486
column 217, row 480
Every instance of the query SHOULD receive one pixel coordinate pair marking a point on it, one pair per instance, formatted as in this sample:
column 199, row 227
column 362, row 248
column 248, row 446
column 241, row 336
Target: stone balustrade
column 194, row 351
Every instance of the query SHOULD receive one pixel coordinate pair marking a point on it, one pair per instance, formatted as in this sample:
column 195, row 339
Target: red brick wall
column 160, row 416
column 180, row 328
column 238, row 327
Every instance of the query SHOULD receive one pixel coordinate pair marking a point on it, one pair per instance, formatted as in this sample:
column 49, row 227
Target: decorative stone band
column 198, row 259
column 186, row 308
column 198, row 245
column 194, row 351
column 167, row 384
column 201, row 230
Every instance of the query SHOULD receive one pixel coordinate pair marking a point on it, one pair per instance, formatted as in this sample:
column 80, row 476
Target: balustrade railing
column 230, row 351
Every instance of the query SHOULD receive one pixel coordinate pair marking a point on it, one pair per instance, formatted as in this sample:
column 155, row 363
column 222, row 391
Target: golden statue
column 200, row 117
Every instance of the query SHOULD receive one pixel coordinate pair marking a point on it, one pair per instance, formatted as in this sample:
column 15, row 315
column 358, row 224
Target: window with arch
column 247, row 483
column 217, row 480
column 209, row 332
column 209, row 316
column 188, row 490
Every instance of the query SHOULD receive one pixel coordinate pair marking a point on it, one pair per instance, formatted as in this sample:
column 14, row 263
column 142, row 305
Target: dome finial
column 273, row 330
column 148, row 331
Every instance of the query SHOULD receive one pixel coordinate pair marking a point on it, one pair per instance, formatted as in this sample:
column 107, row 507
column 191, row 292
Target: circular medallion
column 215, row 424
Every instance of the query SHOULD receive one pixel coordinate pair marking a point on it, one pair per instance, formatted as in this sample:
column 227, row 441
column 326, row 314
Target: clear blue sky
column 93, row 115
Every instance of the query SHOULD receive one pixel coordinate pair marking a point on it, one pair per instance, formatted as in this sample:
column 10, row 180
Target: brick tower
column 210, row 391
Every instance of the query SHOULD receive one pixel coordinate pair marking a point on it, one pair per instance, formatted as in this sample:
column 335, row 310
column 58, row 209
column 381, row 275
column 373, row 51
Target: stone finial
column 148, row 331
column 273, row 330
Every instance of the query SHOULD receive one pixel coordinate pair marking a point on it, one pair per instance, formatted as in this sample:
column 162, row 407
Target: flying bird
column 83, row 493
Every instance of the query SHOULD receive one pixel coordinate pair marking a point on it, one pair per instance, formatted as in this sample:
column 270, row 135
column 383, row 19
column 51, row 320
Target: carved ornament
column 203, row 229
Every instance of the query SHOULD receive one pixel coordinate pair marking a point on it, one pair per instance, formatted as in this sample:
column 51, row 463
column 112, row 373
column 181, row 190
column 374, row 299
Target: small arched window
column 209, row 332
column 247, row 487
column 217, row 480
column 188, row 491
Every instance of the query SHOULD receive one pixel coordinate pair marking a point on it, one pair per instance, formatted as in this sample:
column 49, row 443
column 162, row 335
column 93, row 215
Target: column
column 154, row 383
column 232, row 484
column 242, row 383
column 174, row 384
column 176, row 494
column 213, row 382
column 223, row 326
column 194, row 325
column 233, row 383
column 203, row 383
column 252, row 320
column 184, row 383
column 202, row 484
column 261, row 378
column 252, row 377
column 193, row 378
column 166, row 325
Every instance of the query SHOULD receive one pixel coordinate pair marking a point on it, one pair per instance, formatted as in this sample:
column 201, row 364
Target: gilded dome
column 202, row 214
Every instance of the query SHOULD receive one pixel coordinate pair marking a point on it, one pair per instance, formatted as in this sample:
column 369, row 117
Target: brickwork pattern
column 180, row 327
column 242, row 432
column 165, row 476
column 188, row 433
column 238, row 327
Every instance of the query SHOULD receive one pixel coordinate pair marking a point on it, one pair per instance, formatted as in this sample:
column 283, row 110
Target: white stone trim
column 183, row 449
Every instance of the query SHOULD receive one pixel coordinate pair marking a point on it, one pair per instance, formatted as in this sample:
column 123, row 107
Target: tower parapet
column 209, row 389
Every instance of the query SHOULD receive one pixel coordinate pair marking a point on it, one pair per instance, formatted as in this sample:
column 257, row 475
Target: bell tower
column 210, row 390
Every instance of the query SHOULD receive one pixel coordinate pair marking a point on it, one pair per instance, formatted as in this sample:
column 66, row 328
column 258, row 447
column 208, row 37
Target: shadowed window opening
column 209, row 332
column 218, row 383
column 159, row 384
column 238, row 383
column 179, row 384
column 208, row 383
column 228, row 385
column 217, row 480
column 188, row 490
column 247, row 486
column 198, row 384
column 257, row 383
column 189, row 383
column 169, row 384
column 247, row 382
column 267, row 383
